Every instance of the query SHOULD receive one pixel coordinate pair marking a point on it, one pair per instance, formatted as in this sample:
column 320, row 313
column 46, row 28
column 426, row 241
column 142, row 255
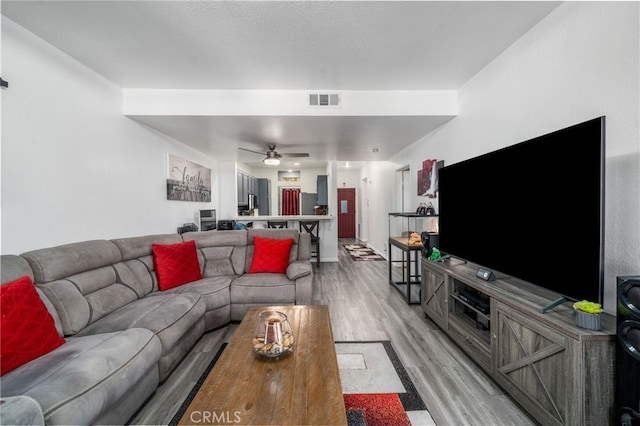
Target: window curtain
column 291, row 201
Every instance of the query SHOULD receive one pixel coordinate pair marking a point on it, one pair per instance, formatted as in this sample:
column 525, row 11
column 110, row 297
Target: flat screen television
column 533, row 210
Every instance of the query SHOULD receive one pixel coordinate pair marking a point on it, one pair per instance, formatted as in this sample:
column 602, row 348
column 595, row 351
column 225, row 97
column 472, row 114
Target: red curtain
column 291, row 201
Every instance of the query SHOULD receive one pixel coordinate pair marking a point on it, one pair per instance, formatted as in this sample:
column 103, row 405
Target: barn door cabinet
column 560, row 373
column 433, row 296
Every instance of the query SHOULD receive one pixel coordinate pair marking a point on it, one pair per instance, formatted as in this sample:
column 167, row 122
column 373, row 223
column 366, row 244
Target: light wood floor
column 363, row 307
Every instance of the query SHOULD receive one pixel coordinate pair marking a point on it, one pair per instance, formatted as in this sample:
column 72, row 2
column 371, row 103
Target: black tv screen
column 533, row 210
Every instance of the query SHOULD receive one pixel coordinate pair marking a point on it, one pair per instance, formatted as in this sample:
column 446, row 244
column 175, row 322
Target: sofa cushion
column 83, row 281
column 54, row 263
column 170, row 316
column 21, row 410
column 136, row 247
column 13, row 267
column 219, row 260
column 301, row 242
column 220, row 253
column 137, row 255
column 77, row 382
column 263, row 289
column 176, row 264
column 214, row 291
column 270, row 255
column 251, row 290
column 86, row 297
column 167, row 315
column 28, row 329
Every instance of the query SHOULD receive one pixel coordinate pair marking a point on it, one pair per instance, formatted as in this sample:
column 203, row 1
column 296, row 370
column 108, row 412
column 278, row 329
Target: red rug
column 377, row 408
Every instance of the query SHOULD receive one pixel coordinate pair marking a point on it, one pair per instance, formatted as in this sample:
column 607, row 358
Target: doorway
column 289, row 201
column 346, row 212
column 403, row 192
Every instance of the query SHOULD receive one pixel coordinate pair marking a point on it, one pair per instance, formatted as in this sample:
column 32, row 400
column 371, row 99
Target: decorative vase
column 588, row 321
column 272, row 337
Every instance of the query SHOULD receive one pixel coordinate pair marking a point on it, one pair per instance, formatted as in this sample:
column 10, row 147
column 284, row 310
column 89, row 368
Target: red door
column 346, row 212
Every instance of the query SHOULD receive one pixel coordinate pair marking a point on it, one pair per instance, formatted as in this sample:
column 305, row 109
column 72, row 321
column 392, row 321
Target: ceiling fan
column 273, row 157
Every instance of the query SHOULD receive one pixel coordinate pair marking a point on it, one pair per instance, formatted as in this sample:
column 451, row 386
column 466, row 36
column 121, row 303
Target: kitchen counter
column 289, row 218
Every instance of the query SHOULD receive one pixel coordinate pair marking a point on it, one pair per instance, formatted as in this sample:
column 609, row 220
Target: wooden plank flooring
column 363, row 306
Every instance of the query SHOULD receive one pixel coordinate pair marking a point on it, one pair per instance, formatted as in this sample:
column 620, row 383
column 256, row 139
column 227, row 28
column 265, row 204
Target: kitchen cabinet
column 246, row 184
column 264, row 196
column 322, row 188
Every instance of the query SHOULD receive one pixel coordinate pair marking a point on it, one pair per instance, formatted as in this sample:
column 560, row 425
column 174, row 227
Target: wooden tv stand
column 560, row 373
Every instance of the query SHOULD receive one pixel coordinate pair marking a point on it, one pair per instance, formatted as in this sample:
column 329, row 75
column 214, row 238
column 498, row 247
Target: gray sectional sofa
column 123, row 336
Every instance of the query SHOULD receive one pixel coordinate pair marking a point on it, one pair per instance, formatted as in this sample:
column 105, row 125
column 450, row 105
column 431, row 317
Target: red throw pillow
column 270, row 255
column 176, row 264
column 28, row 329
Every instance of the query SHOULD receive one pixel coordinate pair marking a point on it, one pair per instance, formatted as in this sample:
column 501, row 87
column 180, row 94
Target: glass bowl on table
column 272, row 337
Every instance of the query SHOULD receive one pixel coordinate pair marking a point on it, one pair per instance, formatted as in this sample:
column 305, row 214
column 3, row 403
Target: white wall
column 348, row 178
column 228, row 190
column 73, row 167
column 329, row 228
column 579, row 63
column 377, row 186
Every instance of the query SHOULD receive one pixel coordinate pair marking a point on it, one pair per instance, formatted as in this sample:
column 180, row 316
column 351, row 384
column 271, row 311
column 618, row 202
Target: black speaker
column 226, row 225
column 628, row 351
column 429, row 241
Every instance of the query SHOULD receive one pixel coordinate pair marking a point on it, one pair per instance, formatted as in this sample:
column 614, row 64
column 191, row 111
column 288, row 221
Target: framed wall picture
column 187, row 181
column 428, row 178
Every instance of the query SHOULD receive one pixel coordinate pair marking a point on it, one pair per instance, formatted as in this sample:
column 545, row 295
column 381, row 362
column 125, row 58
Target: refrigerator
column 264, row 197
column 308, row 201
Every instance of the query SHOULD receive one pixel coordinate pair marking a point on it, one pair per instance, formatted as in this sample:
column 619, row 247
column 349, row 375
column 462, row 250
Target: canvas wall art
column 428, row 178
column 187, row 181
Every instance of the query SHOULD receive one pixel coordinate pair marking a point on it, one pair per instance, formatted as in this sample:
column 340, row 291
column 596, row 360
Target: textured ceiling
column 298, row 45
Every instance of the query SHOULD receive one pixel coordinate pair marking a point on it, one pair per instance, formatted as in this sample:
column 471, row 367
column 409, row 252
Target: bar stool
column 312, row 227
column 276, row 224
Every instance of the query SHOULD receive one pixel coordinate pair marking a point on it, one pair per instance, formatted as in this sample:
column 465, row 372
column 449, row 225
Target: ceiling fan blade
column 294, row 155
column 249, row 150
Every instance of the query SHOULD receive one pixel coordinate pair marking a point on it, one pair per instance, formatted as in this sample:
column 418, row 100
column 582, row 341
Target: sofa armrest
column 20, row 410
column 301, row 272
column 298, row 269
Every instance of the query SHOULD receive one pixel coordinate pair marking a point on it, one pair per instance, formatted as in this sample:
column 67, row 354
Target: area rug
column 361, row 252
column 377, row 389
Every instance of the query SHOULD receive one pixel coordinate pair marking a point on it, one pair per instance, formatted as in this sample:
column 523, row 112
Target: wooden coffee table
column 301, row 388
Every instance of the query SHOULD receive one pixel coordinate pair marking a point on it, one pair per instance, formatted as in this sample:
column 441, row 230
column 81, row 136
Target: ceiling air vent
column 324, row 100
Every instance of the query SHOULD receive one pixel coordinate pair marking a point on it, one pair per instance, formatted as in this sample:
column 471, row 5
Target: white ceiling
column 294, row 45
